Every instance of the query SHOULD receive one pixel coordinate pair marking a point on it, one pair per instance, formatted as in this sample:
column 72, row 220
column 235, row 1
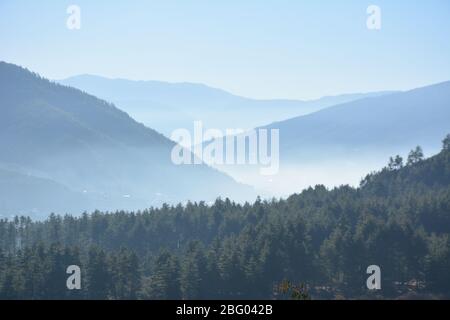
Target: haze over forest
column 224, row 150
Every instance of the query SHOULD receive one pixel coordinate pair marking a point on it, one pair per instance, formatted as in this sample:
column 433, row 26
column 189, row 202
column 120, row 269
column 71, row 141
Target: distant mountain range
column 168, row 106
column 62, row 149
column 337, row 145
column 394, row 122
column 66, row 150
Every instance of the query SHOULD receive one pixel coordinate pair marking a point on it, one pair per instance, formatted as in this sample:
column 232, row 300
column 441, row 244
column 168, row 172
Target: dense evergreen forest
column 322, row 240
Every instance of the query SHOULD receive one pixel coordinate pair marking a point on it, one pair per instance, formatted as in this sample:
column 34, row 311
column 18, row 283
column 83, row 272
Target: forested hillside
column 65, row 142
column 398, row 219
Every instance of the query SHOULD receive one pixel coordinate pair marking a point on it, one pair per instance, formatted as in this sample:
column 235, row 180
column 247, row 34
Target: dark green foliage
column 415, row 156
column 399, row 219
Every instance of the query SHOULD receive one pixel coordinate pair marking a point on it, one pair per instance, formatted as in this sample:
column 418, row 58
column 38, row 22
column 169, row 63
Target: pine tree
column 126, row 275
column 97, row 281
column 164, row 283
column 446, row 143
column 415, row 156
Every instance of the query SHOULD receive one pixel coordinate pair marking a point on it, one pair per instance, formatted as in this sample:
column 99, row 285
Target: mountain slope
column 430, row 175
column 396, row 121
column 339, row 144
column 168, row 106
column 25, row 194
column 77, row 140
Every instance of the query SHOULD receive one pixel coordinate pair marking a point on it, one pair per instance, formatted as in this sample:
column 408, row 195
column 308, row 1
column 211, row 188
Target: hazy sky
column 255, row 48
